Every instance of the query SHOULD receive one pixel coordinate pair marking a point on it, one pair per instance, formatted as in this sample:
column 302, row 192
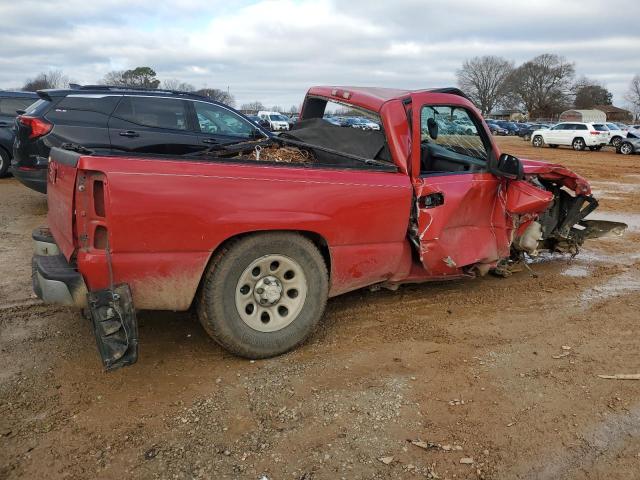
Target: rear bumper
column 54, row 279
column 35, row 179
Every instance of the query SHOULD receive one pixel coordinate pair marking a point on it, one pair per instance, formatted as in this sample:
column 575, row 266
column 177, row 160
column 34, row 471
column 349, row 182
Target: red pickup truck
column 256, row 245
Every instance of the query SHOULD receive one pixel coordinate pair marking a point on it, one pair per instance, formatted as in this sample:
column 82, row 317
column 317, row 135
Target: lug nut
column 267, row 281
column 259, row 291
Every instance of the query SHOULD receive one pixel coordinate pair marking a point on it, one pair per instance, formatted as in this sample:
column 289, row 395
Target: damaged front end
column 562, row 227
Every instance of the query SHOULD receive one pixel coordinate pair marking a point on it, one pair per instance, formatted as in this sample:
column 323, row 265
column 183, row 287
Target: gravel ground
column 490, row 378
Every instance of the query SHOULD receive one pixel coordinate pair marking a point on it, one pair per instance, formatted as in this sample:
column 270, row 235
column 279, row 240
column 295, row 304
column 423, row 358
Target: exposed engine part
column 529, row 240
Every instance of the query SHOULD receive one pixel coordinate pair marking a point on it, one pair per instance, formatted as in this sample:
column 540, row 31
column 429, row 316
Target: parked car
column 496, row 129
column 578, row 135
column 616, row 134
column 292, row 121
column 257, row 247
column 511, row 127
column 332, row 120
column 277, row 121
column 10, row 104
column 526, row 132
column 629, row 145
column 259, row 121
column 121, row 119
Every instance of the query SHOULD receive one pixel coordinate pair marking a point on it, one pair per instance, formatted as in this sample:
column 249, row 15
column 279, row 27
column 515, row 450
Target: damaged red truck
column 257, row 246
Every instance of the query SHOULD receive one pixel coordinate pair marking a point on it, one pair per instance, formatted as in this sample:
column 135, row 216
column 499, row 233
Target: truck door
column 459, row 219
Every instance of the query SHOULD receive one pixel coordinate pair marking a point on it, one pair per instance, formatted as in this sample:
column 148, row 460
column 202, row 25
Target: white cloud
column 273, row 50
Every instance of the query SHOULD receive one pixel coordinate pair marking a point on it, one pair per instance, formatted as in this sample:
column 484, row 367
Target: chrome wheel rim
column 578, row 144
column 537, row 141
column 270, row 293
column 625, row 148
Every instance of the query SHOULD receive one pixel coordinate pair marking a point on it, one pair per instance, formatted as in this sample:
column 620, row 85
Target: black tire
column 616, row 141
column 217, row 310
column 578, row 144
column 538, row 141
column 5, row 161
column 625, row 148
column 526, row 137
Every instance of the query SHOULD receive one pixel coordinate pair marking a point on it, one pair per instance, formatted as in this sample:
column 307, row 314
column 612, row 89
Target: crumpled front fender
column 558, row 174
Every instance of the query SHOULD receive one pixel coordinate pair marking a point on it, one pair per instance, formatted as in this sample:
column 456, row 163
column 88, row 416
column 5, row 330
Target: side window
column 453, row 129
column 580, row 126
column 166, row 113
column 560, row 126
column 215, row 120
column 9, row 105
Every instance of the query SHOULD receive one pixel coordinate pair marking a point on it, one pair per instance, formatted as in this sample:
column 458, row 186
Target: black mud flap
column 115, row 326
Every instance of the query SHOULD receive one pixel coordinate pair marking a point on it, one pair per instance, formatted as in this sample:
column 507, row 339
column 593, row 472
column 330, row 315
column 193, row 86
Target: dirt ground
column 500, row 371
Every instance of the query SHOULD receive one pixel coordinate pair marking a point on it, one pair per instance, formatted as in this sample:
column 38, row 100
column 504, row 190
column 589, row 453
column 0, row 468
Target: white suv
column 576, row 134
column 277, row 121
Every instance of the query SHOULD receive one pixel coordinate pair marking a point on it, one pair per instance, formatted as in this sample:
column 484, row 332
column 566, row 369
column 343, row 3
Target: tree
column 633, row 95
column 543, row 85
column 589, row 93
column 483, row 79
column 276, row 108
column 50, row 79
column 218, row 95
column 174, row 84
column 254, row 106
column 141, row 77
column 293, row 110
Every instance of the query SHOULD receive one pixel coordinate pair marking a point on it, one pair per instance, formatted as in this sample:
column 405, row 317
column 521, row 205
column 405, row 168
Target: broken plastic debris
column 386, row 460
column 622, row 376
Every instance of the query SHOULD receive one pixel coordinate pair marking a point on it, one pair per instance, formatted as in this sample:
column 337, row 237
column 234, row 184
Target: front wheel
column 578, row 144
column 625, row 148
column 264, row 294
column 538, row 141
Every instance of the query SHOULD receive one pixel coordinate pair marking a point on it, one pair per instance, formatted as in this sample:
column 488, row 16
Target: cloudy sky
column 273, row 50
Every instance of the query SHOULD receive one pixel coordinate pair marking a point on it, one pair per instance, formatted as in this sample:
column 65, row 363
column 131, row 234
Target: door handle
column 129, row 133
column 210, row 141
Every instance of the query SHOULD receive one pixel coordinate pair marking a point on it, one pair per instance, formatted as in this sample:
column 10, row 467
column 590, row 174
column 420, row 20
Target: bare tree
column 293, row 110
column 276, row 108
column 633, row 95
column 218, row 95
column 483, row 79
column 254, row 106
column 175, row 84
column 543, row 85
column 50, row 79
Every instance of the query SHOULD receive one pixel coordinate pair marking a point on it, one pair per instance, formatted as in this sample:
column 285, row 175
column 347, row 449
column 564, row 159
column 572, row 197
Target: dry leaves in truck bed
column 282, row 154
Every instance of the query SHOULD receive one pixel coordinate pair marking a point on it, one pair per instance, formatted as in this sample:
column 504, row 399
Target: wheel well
column 317, row 239
column 6, row 151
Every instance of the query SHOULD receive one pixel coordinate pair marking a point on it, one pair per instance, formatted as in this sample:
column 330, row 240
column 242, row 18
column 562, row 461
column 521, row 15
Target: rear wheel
column 4, row 163
column 538, row 141
column 578, row 144
column 264, row 294
column 625, row 148
column 616, row 141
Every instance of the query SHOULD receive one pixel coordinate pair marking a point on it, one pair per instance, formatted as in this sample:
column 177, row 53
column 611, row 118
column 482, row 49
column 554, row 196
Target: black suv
column 121, row 119
column 11, row 103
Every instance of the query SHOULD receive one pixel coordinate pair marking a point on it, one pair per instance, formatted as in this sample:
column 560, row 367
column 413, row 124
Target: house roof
column 610, row 109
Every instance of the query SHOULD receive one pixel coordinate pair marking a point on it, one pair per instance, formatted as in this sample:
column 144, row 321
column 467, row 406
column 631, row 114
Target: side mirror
column 509, row 167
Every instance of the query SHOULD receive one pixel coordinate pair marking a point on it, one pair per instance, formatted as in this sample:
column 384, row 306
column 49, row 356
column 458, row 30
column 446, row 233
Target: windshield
column 277, row 118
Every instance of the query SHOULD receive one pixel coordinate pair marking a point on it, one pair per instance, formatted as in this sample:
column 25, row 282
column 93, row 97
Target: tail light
column 39, row 127
column 595, row 133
